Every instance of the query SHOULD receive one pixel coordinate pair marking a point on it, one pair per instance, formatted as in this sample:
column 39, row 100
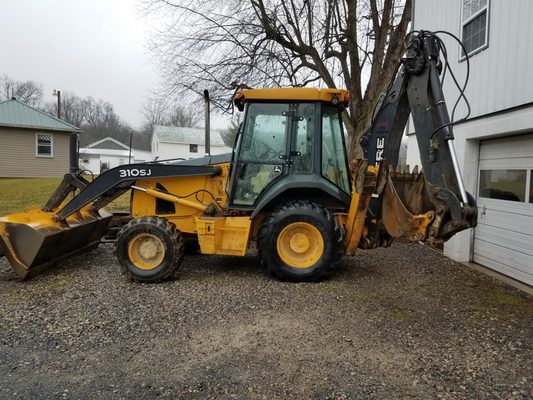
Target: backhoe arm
column 432, row 205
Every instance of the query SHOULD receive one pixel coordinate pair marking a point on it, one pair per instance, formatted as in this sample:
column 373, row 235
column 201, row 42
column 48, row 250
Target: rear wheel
column 300, row 242
column 149, row 249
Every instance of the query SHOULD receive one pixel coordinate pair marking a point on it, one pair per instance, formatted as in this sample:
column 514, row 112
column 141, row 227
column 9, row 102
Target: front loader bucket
column 34, row 240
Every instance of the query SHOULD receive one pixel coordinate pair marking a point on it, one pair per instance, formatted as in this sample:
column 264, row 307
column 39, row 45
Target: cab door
column 262, row 152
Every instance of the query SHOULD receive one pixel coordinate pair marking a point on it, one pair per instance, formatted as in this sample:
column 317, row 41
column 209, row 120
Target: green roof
column 15, row 114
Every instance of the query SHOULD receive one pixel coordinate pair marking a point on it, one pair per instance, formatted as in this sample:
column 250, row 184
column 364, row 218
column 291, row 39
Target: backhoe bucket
column 407, row 210
column 34, row 240
column 416, row 210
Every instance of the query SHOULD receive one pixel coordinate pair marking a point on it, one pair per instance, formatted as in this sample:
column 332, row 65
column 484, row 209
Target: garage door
column 503, row 239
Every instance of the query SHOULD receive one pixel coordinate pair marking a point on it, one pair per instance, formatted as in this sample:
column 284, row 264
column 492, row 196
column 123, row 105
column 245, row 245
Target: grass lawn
column 18, row 193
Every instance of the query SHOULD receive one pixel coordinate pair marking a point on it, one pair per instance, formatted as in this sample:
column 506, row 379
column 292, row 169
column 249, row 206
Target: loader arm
column 37, row 238
column 431, row 205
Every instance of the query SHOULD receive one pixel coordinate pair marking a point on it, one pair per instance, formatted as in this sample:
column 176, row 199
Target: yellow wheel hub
column 146, row 251
column 300, row 245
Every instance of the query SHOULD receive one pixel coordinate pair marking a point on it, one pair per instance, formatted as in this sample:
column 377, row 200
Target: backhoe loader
column 288, row 187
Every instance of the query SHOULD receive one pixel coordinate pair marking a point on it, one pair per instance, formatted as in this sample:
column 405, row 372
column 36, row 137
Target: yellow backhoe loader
column 287, row 186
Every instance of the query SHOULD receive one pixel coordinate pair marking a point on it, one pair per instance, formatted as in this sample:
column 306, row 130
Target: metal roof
column 108, row 143
column 175, row 134
column 15, row 114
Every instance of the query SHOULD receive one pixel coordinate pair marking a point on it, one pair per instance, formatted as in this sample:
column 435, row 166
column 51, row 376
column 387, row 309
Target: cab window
column 265, row 133
column 334, row 162
column 264, row 141
column 303, row 138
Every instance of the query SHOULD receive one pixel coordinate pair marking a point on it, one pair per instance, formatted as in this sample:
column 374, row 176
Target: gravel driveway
column 402, row 322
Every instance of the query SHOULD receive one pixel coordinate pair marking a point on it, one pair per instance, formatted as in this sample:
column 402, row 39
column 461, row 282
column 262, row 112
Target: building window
column 503, row 184
column 193, row 148
column 475, row 25
column 531, row 186
column 44, row 145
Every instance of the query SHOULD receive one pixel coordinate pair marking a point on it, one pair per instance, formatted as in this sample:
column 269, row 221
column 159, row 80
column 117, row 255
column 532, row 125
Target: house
column 109, row 153
column 171, row 142
column 495, row 144
column 33, row 144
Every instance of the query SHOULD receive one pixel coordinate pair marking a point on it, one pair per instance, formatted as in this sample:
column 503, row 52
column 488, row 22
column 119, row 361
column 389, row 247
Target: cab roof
column 298, row 94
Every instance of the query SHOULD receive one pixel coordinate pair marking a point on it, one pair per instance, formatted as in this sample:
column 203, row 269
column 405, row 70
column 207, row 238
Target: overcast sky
column 89, row 47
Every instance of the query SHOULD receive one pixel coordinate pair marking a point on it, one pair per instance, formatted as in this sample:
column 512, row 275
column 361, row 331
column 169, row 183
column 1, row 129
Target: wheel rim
column 146, row 251
column 300, row 245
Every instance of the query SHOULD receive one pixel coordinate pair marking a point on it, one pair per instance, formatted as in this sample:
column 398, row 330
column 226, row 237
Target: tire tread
column 171, row 271
column 268, row 230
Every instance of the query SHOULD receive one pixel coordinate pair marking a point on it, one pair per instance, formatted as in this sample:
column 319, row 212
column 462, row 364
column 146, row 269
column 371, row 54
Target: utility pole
column 73, row 139
column 131, row 138
column 58, row 94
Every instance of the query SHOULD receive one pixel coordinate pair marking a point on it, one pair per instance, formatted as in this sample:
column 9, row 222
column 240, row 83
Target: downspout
column 74, row 156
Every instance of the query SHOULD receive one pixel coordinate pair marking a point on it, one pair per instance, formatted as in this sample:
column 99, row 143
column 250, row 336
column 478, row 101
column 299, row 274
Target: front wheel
column 149, row 249
column 300, row 242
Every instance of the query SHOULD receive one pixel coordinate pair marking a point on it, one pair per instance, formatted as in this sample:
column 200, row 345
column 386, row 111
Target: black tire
column 307, row 213
column 163, row 237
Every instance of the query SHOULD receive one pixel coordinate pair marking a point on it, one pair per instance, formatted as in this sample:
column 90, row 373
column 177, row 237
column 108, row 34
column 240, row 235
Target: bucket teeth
column 403, row 170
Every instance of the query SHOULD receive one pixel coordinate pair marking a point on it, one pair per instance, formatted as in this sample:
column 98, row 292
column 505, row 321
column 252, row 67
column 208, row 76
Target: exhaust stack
column 207, row 123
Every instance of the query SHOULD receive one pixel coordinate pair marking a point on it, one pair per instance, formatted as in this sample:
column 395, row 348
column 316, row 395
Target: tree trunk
column 360, row 123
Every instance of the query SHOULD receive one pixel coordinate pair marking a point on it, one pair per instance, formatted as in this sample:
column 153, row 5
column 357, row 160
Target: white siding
column 96, row 157
column 500, row 74
column 166, row 151
column 499, row 80
column 90, row 162
column 142, row 156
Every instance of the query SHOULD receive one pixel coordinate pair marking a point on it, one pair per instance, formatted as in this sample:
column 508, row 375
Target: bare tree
column 28, row 92
column 155, row 113
column 97, row 119
column 100, row 115
column 228, row 135
column 184, row 116
column 73, row 108
column 333, row 43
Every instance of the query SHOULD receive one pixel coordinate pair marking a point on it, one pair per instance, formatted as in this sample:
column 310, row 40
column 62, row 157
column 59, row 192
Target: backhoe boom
column 439, row 193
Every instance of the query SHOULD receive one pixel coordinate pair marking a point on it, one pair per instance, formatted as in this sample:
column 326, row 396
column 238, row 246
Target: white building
column 109, row 153
column 495, row 144
column 170, row 142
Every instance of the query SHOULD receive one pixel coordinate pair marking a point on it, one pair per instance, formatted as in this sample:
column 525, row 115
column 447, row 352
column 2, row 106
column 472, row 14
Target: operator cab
column 291, row 138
